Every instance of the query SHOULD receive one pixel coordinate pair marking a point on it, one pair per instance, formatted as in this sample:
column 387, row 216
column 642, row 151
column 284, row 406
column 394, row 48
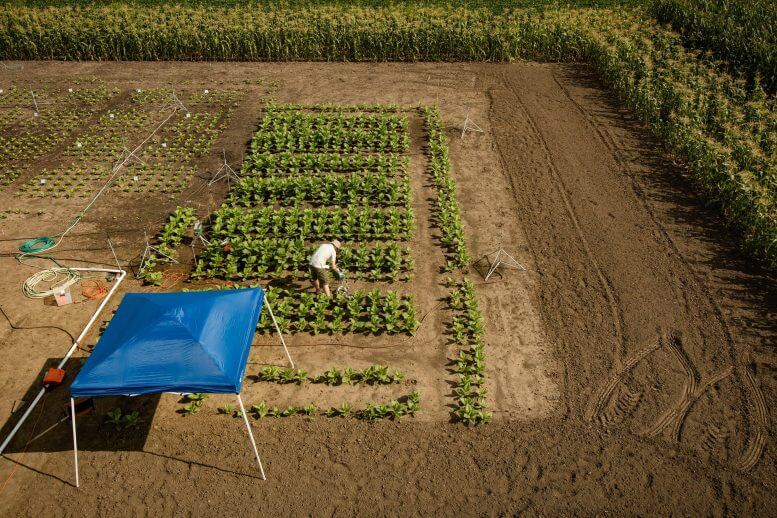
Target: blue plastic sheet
column 173, row 342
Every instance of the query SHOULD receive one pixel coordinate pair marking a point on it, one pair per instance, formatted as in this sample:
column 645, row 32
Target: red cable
column 95, row 290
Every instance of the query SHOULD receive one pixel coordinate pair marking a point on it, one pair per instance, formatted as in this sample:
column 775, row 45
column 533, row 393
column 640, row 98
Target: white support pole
column 75, row 442
column 70, row 352
column 464, row 127
column 250, row 435
column 278, row 329
column 494, row 265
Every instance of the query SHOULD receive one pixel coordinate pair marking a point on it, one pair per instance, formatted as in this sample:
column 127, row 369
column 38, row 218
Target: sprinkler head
column 164, row 144
column 111, row 115
column 43, row 181
column 70, row 90
column 207, row 91
column 79, row 145
column 188, row 115
column 138, row 90
column 135, row 178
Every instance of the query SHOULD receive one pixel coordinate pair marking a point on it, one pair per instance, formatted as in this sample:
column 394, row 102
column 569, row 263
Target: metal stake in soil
column 469, row 125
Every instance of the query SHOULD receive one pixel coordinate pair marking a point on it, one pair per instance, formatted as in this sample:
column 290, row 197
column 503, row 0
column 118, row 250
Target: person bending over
column 319, row 269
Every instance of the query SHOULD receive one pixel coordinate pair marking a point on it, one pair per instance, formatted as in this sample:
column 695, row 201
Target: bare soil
column 631, row 367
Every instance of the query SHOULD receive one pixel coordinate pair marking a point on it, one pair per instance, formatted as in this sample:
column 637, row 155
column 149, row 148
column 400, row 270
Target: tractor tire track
column 616, row 152
column 625, row 405
column 682, row 412
column 714, row 436
column 561, row 188
column 606, row 391
column 758, row 441
column 688, row 388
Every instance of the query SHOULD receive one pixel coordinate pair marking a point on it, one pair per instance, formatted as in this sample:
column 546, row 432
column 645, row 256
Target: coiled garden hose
column 39, row 244
column 59, row 278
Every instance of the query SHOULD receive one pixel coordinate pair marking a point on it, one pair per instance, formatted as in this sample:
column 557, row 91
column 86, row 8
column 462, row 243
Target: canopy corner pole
column 278, row 329
column 75, row 441
column 250, row 435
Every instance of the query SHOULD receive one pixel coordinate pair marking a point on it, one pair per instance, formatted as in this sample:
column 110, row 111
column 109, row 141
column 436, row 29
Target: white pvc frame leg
column 250, row 436
column 31, row 406
column 75, row 441
column 278, row 329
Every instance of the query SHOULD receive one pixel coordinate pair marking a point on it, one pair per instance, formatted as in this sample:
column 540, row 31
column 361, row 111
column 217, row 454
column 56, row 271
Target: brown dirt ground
column 631, row 368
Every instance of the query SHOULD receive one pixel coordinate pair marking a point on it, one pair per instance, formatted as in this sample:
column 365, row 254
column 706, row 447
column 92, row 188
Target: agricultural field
column 623, row 152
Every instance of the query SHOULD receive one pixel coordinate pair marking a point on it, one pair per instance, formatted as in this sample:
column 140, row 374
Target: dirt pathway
column 644, row 339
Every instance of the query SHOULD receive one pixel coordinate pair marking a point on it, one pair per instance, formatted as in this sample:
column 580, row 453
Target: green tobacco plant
column 227, row 409
column 121, row 421
column 132, row 420
column 259, row 410
column 467, row 329
column 448, row 215
column 114, row 417
column 194, row 403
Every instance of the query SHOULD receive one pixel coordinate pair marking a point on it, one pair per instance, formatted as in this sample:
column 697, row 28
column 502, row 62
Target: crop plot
column 67, row 144
column 76, row 180
column 317, row 172
column 361, row 193
column 16, row 97
column 153, row 178
column 10, row 116
column 64, row 182
column 110, row 134
column 192, row 136
column 8, row 175
column 37, row 135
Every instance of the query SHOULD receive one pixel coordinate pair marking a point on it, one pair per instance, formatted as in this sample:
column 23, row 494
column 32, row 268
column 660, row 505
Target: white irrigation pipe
column 31, row 407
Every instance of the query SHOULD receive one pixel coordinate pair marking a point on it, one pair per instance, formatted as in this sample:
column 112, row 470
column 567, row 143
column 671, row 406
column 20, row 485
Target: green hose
column 39, row 244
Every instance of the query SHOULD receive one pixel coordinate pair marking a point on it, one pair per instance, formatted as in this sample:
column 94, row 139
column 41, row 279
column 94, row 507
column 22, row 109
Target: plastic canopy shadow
column 47, row 430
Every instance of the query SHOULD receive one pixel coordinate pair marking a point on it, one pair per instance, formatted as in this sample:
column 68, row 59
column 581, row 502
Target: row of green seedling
column 408, row 405
column 372, row 375
column 352, row 223
column 468, row 331
column 323, row 190
column 448, row 213
column 339, row 108
column 369, row 312
column 250, row 258
column 288, row 163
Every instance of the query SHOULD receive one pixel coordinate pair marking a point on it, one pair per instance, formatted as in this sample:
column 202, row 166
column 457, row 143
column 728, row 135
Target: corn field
column 744, row 34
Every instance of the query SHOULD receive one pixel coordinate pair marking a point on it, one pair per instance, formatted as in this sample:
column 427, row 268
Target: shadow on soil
column 48, row 428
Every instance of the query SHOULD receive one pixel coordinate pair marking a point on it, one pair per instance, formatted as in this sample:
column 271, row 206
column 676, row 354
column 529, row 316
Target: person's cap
column 336, row 243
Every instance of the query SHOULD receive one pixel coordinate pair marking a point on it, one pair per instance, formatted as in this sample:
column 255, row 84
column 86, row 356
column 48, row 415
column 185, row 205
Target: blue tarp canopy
column 173, row 342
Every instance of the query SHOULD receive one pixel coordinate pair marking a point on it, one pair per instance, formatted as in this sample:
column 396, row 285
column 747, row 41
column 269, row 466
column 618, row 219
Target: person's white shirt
column 323, row 254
